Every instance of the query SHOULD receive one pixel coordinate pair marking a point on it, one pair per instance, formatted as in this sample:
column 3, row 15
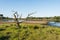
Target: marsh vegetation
column 29, row 32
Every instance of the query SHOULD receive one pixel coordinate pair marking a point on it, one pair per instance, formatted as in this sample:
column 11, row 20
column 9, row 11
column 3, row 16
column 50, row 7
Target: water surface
column 54, row 24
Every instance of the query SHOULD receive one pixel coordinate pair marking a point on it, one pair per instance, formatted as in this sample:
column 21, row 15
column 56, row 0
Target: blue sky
column 42, row 8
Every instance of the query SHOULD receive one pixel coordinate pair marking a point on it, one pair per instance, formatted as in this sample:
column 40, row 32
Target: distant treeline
column 7, row 18
column 55, row 18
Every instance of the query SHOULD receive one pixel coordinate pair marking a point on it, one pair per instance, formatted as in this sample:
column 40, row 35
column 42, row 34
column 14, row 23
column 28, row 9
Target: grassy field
column 29, row 32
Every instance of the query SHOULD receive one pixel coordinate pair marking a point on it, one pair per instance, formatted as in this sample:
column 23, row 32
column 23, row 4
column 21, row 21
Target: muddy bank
column 39, row 22
column 30, row 22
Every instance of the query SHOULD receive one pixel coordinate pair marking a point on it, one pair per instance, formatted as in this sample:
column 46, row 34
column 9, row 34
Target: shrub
column 36, row 27
column 1, row 29
column 25, row 27
column 7, row 26
column 4, row 38
column 11, row 24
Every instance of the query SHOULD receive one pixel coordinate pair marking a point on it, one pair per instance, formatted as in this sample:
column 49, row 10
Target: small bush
column 2, row 29
column 36, row 27
column 25, row 27
column 43, row 27
column 11, row 24
column 7, row 26
column 8, row 33
column 4, row 38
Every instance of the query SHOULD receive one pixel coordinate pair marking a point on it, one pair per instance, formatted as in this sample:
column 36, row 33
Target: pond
column 54, row 24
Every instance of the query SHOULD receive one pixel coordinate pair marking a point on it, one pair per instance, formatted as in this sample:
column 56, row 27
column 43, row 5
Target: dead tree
column 17, row 24
column 16, row 19
column 29, row 15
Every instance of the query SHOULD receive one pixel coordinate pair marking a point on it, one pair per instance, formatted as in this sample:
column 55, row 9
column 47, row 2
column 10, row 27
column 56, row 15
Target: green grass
column 29, row 32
